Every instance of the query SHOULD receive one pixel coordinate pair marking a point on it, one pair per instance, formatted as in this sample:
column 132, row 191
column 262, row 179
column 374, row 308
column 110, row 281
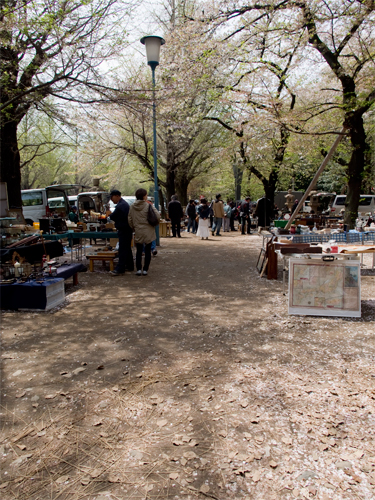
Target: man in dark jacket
column 125, row 234
column 175, row 214
column 245, row 215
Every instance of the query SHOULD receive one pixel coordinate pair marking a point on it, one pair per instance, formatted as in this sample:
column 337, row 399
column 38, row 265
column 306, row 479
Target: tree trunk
column 181, row 190
column 170, row 185
column 238, row 175
column 355, row 168
column 270, row 187
column 10, row 163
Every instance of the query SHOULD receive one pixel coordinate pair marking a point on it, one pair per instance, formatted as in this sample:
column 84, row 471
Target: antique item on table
column 289, row 200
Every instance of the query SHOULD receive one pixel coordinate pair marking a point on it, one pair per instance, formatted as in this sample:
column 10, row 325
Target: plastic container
column 36, row 225
column 280, row 223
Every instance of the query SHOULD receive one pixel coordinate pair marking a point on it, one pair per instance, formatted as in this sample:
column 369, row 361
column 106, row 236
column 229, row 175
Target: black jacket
column 175, row 211
column 245, row 208
column 120, row 216
column 191, row 211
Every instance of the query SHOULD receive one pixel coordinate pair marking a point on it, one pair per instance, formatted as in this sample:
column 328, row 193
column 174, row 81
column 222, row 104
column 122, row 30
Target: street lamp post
column 153, row 44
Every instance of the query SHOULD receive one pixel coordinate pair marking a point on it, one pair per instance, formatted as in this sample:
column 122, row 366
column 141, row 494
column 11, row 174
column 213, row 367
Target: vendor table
column 358, row 250
column 72, row 237
column 33, row 253
column 37, row 296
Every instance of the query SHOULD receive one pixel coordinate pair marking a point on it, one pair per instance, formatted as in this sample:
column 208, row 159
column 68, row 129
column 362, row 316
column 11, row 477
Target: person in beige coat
column 144, row 233
column 218, row 209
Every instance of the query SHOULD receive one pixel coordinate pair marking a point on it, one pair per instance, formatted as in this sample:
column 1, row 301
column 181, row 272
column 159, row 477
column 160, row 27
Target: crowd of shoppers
column 202, row 219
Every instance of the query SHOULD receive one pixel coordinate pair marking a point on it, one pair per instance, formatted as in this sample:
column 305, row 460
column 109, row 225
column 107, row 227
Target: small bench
column 104, row 258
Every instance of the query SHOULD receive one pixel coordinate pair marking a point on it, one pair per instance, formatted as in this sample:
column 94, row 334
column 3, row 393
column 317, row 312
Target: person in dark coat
column 175, row 214
column 245, row 215
column 125, row 234
column 264, row 212
column 233, row 215
column 191, row 212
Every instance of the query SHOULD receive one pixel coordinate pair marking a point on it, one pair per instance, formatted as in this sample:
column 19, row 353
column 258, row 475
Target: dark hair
column 115, row 192
column 174, row 197
column 191, row 201
column 247, row 198
column 218, row 196
column 204, row 201
column 140, row 193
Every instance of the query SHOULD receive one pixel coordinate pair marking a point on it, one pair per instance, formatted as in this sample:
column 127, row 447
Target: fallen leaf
column 21, row 394
column 95, row 473
column 173, row 476
column 100, row 367
column 222, row 434
column 287, row 440
column 190, row 455
column 273, row 464
column 112, row 478
column 78, row 370
column 183, row 461
column 62, row 479
column 4, row 485
column 204, row 488
column 50, row 396
column 161, row 423
column 85, row 481
column 256, row 476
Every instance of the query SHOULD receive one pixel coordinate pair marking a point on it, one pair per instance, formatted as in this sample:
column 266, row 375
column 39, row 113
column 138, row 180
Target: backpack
column 151, row 217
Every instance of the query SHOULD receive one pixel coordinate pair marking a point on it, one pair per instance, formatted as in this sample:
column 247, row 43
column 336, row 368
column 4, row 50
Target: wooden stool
column 104, row 259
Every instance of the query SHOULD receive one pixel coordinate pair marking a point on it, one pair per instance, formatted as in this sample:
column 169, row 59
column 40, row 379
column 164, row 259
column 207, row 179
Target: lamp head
column 153, row 44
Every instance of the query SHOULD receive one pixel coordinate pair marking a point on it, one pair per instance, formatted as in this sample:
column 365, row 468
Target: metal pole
column 316, row 177
column 156, row 192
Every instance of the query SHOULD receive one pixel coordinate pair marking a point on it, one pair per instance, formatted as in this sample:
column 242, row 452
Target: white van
column 42, row 202
column 366, row 204
column 129, row 199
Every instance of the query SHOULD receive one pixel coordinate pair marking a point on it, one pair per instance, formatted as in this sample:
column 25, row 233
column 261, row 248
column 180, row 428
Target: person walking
column 191, row 212
column 233, row 215
column 144, row 232
column 245, row 215
column 204, row 218
column 120, row 216
column 227, row 215
column 218, row 209
column 175, row 214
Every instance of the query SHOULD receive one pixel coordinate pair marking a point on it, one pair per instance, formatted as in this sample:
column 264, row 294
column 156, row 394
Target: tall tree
column 50, row 48
column 342, row 34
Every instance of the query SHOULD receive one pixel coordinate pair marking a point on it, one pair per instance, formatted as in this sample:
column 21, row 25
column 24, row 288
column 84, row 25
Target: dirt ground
column 190, row 383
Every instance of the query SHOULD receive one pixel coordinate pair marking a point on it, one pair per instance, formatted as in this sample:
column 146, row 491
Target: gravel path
column 190, row 383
